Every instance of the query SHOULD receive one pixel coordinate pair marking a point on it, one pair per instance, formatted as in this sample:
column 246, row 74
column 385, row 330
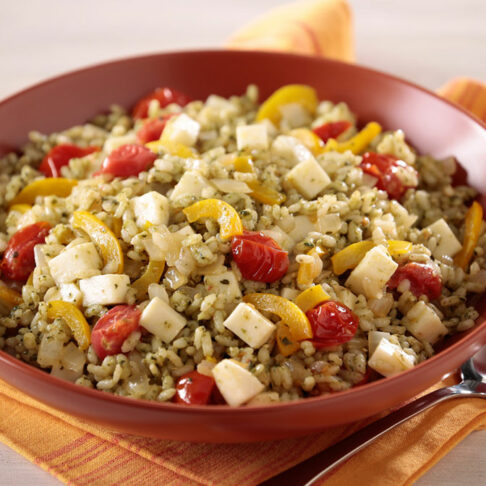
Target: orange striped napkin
column 80, row 453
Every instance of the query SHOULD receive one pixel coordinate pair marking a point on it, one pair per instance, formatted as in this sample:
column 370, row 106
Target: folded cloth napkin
column 81, row 453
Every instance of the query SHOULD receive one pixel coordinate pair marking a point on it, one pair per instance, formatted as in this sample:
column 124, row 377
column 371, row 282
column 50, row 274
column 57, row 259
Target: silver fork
column 473, row 384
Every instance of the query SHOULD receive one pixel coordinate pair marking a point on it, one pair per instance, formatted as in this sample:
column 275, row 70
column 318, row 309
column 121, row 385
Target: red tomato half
column 128, row 160
column 385, row 168
column 332, row 323
column 165, row 96
column 259, row 257
column 60, row 155
column 194, row 388
column 152, row 129
column 424, row 280
column 331, row 129
column 18, row 260
column 113, row 328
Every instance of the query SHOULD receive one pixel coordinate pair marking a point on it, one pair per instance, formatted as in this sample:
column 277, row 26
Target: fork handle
column 314, row 468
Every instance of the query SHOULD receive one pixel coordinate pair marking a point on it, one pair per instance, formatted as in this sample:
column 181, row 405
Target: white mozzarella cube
column 249, row 325
column 192, row 183
column 223, row 284
column 236, row 384
column 295, row 115
column 302, row 227
column 372, row 273
column 151, row 208
column 70, row 293
column 309, row 178
column 389, row 359
column 113, row 143
column 182, row 130
column 447, row 243
column 105, row 289
column 253, row 137
column 374, row 338
column 291, row 149
column 424, row 323
column 80, row 261
column 162, row 320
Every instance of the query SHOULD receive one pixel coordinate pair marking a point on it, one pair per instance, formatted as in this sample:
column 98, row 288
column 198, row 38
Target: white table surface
column 426, row 41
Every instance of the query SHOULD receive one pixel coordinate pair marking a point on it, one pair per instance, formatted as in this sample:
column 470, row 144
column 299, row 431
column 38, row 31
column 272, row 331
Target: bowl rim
column 384, row 382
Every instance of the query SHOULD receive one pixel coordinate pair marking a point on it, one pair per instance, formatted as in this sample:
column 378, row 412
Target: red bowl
column 432, row 125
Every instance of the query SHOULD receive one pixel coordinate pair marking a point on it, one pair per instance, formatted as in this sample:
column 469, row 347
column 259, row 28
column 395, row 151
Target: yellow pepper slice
column 21, row 208
column 74, row 318
column 152, row 274
column 265, row 195
column 292, row 93
column 399, row 247
column 103, row 237
column 309, row 139
column 172, row 148
column 474, row 220
column 243, row 163
column 285, row 342
column 308, row 271
column 356, row 144
column 9, row 297
column 297, row 321
column 311, row 297
column 51, row 186
column 350, row 256
column 227, row 217
column 117, row 225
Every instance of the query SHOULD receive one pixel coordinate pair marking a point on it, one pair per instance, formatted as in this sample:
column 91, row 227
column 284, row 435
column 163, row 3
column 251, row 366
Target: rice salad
column 233, row 252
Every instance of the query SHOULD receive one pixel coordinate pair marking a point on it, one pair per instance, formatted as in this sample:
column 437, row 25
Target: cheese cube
column 389, row 359
column 447, row 243
column 372, row 273
column 249, row 325
column 151, row 208
column 254, row 137
column 374, row 338
column 105, row 289
column 183, row 130
column 191, row 183
column 295, row 115
column 424, row 323
column 113, row 143
column 70, row 293
column 223, row 284
column 236, row 384
column 162, row 320
column 80, row 261
column 302, row 227
column 291, row 149
column 309, row 178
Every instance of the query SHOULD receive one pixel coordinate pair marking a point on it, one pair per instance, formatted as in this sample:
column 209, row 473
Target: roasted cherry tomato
column 385, row 168
column 18, row 260
column 332, row 323
column 152, row 129
column 60, row 155
column 128, row 160
column 165, row 96
column 424, row 280
column 111, row 330
column 194, row 388
column 259, row 257
column 331, row 129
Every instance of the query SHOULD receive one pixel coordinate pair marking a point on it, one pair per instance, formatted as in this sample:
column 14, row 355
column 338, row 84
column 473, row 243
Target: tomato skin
column 424, row 280
column 60, row 155
column 331, row 129
column 332, row 323
column 128, row 160
column 194, row 388
column 111, row 330
column 165, row 96
column 18, row 260
column 259, row 257
column 152, row 129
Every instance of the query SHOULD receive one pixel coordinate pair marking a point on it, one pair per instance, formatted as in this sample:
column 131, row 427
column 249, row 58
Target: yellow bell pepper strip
column 308, row 271
column 309, row 139
column 311, row 297
column 9, row 297
column 285, row 342
column 265, row 195
column 243, row 163
column 73, row 317
column 472, row 230
column 21, row 208
column 292, row 93
column 172, row 148
column 229, row 222
column 152, row 274
column 349, row 257
column 399, row 247
column 117, row 225
column 297, row 321
column 356, row 144
column 103, row 237
column 51, row 186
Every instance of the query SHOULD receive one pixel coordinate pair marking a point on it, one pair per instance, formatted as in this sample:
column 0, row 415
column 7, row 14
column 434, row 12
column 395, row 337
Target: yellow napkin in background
column 81, row 453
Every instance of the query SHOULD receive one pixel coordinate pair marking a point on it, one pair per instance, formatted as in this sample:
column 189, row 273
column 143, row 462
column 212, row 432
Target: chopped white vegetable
column 249, row 325
column 447, row 243
column 329, row 223
column 230, row 185
column 191, row 183
column 158, row 290
column 113, row 143
column 389, row 359
column 80, row 261
column 291, row 149
column 372, row 273
column 252, row 137
column 151, row 208
column 223, row 284
column 309, row 178
column 105, row 289
column 303, row 226
column 424, row 323
column 281, row 237
column 236, row 384
column 183, row 129
column 70, row 293
column 162, row 320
